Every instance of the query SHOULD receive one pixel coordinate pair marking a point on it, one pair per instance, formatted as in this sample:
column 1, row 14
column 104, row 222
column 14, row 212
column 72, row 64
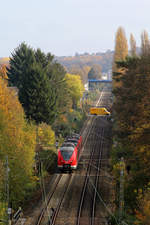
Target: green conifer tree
column 37, row 96
column 20, row 62
column 40, row 81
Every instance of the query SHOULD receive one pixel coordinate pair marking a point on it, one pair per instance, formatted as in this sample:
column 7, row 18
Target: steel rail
column 40, row 217
column 87, row 179
column 85, row 185
column 92, row 121
column 55, row 214
column 97, row 178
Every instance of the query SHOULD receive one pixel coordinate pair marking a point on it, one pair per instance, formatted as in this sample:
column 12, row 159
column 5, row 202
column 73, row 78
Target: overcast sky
column 64, row 27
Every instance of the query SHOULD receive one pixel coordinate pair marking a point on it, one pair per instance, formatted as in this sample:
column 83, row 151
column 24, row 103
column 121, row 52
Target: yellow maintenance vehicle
column 99, row 111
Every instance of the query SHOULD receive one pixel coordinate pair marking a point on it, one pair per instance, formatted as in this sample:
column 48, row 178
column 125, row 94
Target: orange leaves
column 3, row 72
column 143, row 214
column 63, row 117
column 11, row 108
column 17, row 141
column 139, row 215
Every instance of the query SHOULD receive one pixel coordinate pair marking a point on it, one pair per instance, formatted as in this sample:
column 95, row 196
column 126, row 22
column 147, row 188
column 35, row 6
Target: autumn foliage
column 132, row 128
column 17, row 142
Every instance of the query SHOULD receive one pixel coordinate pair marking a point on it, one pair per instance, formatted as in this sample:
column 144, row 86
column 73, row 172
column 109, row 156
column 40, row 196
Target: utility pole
column 121, row 197
column 7, row 192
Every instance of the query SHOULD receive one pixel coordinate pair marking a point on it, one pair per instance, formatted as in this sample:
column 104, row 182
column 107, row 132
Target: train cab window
column 66, row 152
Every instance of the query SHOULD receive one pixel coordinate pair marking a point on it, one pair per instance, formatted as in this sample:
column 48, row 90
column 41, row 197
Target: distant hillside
column 103, row 59
column 81, row 60
column 81, row 63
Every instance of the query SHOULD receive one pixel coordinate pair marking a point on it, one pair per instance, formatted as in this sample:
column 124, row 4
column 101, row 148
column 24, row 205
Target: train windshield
column 66, row 152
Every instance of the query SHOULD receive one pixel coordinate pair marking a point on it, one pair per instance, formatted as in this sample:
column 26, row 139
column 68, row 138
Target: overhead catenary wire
column 44, row 191
column 108, row 210
column 44, row 198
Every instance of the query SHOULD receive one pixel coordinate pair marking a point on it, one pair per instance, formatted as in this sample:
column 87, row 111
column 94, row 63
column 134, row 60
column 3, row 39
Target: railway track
column 47, row 216
column 75, row 190
column 92, row 176
column 97, row 178
column 49, row 197
column 87, row 215
column 57, row 209
column 46, row 210
column 85, row 186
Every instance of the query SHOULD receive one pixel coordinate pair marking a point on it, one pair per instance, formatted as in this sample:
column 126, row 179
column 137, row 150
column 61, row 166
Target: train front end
column 67, row 158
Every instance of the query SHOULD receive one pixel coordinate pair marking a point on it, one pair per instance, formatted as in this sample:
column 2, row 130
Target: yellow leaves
column 35, row 179
column 2, row 172
column 9, row 103
column 75, row 86
column 121, row 51
column 46, row 135
column 17, row 141
column 3, row 72
column 119, row 166
column 2, row 210
column 144, row 213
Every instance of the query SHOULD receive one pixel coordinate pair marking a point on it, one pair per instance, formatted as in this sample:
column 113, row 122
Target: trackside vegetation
column 39, row 105
column 131, row 88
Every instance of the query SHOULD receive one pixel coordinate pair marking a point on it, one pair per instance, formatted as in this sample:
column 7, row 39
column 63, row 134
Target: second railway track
column 74, row 198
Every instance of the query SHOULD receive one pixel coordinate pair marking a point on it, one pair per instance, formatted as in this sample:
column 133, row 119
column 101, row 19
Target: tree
column 75, row 88
column 121, row 47
column 43, row 59
column 46, row 135
column 132, row 45
column 133, row 128
column 17, row 142
column 37, row 97
column 143, row 213
column 20, row 63
column 95, row 72
column 56, row 75
column 3, row 72
column 40, row 81
column 79, row 70
column 145, row 43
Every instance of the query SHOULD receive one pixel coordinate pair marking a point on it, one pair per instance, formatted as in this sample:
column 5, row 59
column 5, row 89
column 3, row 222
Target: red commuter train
column 68, row 153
